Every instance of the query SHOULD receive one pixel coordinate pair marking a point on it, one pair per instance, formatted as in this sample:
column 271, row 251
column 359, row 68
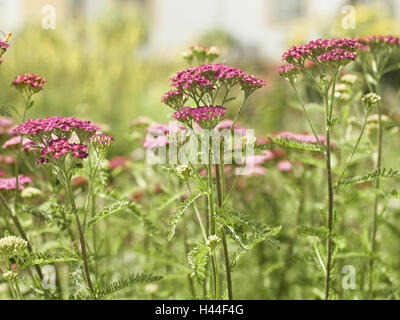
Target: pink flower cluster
column 15, row 141
column 11, row 183
column 171, row 95
column 337, row 55
column 289, row 71
column 3, row 46
column 298, row 54
column 303, row 137
column 377, row 41
column 200, row 114
column 30, row 82
column 5, row 125
column 227, row 124
column 53, row 125
column 101, row 138
column 175, row 99
column 205, row 76
column 60, row 148
column 158, row 134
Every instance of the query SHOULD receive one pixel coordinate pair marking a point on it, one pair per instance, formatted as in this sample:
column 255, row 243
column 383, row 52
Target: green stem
column 92, row 178
column 20, row 230
column 219, row 171
column 19, row 294
column 377, row 187
column 216, row 275
column 239, row 112
column 328, row 113
column 307, row 115
column 354, row 148
column 81, row 233
column 16, row 166
column 203, row 230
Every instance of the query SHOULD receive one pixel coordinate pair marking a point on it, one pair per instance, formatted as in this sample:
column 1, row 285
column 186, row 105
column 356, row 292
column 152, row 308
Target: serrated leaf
column 132, row 280
column 174, row 219
column 47, row 258
column 312, row 232
column 294, row 144
column 198, row 259
column 116, row 207
column 377, row 174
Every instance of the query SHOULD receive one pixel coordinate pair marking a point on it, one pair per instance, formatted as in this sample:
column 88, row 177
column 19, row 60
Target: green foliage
column 294, row 144
column 235, row 225
column 198, row 259
column 377, row 174
column 131, row 280
column 174, row 219
column 305, row 231
column 40, row 258
column 115, row 208
column 54, row 214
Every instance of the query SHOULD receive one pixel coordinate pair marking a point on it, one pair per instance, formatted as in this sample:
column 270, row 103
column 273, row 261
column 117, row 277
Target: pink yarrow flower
column 284, row 165
column 61, row 127
column 15, row 141
column 101, row 142
column 60, row 148
column 206, row 76
column 175, row 99
column 206, row 116
column 29, row 83
column 11, row 183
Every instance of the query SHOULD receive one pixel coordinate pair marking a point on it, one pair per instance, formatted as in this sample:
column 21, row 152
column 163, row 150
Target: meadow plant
column 200, row 102
column 374, row 57
column 328, row 58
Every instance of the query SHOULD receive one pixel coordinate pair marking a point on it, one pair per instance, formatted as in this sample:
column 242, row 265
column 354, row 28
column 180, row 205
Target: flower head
column 101, row 142
column 184, row 171
column 376, row 43
column 60, row 127
column 29, row 83
column 201, row 53
column 213, row 241
column 4, row 45
column 289, row 72
column 322, row 51
column 16, row 141
column 337, row 57
column 175, row 99
column 5, row 124
column 12, row 246
column 370, row 100
column 207, row 116
column 207, row 76
column 58, row 149
column 11, row 183
column 284, row 165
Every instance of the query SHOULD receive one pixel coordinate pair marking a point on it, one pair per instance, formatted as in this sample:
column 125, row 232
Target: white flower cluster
column 370, row 100
column 11, row 246
column 10, row 276
column 213, row 241
column 184, row 171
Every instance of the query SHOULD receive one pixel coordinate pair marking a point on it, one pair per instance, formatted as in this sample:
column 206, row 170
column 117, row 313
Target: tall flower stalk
column 53, row 134
column 203, row 85
column 329, row 57
column 374, row 56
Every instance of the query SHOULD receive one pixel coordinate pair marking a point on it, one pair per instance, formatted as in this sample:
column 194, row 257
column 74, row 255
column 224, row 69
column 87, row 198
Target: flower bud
column 213, row 241
column 370, row 101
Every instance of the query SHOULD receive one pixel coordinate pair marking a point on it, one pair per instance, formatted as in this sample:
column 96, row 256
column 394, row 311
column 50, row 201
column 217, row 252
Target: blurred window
column 284, row 9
